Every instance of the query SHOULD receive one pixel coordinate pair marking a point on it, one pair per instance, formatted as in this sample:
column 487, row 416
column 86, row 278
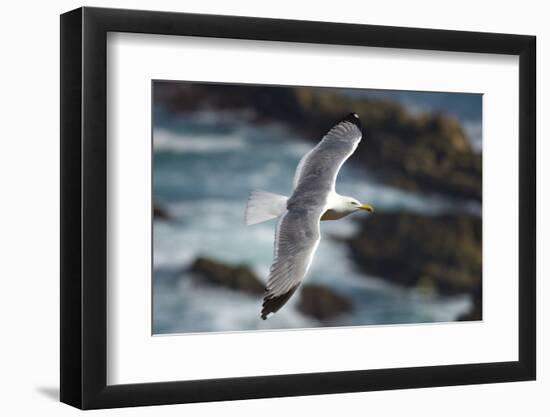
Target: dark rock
column 235, row 277
column 161, row 214
column 322, row 303
column 477, row 308
column 426, row 153
column 442, row 253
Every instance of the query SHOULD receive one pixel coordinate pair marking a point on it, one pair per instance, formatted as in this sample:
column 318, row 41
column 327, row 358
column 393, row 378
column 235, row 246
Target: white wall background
column 29, row 226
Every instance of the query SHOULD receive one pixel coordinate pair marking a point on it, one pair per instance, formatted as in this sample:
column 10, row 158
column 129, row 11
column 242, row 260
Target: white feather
column 263, row 206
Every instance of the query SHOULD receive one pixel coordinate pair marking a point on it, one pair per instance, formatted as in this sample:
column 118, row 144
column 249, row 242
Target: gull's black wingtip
column 272, row 303
column 353, row 118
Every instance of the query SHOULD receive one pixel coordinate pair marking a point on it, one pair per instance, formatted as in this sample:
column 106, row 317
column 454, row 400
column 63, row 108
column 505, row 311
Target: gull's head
column 353, row 205
column 340, row 206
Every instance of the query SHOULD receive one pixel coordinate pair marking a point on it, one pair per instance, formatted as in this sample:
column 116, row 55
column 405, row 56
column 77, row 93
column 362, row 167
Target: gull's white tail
column 263, row 206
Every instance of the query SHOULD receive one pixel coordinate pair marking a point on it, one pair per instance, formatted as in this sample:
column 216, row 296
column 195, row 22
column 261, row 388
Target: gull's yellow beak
column 366, row 207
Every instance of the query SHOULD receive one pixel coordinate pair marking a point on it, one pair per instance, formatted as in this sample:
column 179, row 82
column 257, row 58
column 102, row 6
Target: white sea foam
column 474, row 131
column 165, row 140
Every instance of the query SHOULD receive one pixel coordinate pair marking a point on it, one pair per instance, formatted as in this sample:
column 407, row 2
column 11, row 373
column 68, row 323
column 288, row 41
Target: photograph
column 296, row 207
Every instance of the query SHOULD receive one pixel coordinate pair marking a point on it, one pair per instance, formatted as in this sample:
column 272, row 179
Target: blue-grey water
column 205, row 165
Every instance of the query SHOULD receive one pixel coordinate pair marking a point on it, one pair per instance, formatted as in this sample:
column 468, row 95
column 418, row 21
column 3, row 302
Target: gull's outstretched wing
column 297, row 235
column 296, row 239
column 319, row 167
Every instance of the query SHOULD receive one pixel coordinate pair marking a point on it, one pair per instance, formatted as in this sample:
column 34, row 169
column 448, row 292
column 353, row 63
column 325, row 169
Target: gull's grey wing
column 321, row 165
column 296, row 239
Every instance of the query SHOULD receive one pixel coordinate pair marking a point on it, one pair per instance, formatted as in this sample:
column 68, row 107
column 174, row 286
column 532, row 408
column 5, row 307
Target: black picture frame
column 84, row 207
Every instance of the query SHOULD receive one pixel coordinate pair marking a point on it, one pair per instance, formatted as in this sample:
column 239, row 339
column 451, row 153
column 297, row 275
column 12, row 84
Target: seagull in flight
column 314, row 199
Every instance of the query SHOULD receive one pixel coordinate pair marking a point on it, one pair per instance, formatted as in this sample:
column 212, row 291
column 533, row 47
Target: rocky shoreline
column 439, row 254
column 424, row 153
column 428, row 153
column 316, row 301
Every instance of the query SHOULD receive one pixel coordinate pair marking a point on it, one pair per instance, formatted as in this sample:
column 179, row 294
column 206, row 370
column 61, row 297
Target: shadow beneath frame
column 50, row 392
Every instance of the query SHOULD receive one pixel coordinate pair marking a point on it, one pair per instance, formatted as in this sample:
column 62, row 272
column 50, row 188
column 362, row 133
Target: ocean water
column 205, row 165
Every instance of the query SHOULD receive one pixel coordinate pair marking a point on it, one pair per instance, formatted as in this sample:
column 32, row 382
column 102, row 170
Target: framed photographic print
column 258, row 208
